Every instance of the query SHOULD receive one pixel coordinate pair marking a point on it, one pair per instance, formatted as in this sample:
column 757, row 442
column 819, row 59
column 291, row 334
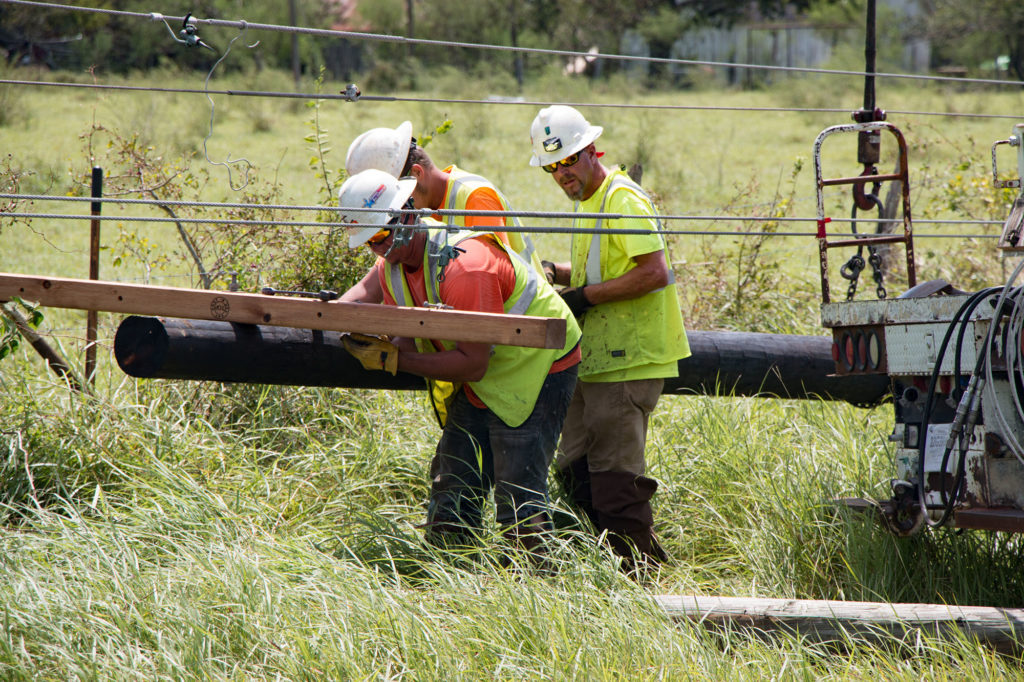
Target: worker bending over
column 501, row 407
column 395, row 151
column 622, row 290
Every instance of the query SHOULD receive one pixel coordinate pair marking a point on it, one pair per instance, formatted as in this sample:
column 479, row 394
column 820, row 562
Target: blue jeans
column 478, row 452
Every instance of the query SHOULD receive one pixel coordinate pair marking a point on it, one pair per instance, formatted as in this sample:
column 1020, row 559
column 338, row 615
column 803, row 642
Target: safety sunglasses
column 381, row 236
column 567, row 161
column 385, row 232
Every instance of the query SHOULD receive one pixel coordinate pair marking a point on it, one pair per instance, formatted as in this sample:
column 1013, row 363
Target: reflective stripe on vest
column 437, row 240
column 594, row 253
column 460, row 179
column 515, row 375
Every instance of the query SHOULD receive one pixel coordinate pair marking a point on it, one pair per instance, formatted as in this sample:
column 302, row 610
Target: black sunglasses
column 399, row 219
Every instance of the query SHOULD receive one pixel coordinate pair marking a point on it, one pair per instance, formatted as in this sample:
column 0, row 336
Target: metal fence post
column 94, row 274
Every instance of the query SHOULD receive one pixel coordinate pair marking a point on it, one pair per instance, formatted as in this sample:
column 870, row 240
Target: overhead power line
column 520, row 228
column 513, row 102
column 243, row 25
column 427, row 212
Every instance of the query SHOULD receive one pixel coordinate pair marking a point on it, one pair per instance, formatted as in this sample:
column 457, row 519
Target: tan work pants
column 607, row 423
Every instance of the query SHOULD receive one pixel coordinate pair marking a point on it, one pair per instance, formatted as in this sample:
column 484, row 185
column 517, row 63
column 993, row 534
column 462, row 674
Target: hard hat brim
column 404, row 134
column 373, row 222
column 404, row 130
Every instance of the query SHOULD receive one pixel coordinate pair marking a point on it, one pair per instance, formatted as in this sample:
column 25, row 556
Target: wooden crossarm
column 366, row 318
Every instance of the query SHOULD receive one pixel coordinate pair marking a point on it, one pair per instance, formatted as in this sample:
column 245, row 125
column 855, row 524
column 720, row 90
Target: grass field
column 189, row 530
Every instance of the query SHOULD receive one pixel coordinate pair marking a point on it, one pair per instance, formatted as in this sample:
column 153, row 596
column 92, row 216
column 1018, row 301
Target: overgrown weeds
column 741, row 283
column 246, row 250
column 273, row 532
column 201, row 530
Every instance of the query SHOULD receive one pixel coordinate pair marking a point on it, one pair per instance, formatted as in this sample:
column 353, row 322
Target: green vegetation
column 75, row 40
column 177, row 530
column 986, row 43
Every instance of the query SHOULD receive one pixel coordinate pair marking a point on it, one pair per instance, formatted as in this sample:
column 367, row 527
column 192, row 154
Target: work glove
column 549, row 270
column 576, row 299
column 373, row 352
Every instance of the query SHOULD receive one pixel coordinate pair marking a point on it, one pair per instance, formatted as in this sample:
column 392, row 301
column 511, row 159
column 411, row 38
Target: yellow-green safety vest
column 634, row 333
column 514, row 374
column 460, row 185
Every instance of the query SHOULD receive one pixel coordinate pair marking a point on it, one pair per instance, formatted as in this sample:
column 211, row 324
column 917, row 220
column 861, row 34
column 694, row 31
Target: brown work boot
column 529, row 541
column 622, row 501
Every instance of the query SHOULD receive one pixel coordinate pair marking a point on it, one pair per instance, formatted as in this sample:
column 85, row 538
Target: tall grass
column 176, row 530
column 168, row 530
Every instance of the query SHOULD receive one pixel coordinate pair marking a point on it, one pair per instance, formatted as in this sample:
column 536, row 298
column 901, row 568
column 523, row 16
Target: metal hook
column 447, row 254
column 401, row 236
column 248, row 167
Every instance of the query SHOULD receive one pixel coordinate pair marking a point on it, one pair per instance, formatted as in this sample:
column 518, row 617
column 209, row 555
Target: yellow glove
column 373, row 352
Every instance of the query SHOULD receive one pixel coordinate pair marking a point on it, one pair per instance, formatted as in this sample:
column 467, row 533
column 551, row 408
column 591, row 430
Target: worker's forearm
column 449, row 365
column 650, row 274
column 366, row 290
column 622, row 288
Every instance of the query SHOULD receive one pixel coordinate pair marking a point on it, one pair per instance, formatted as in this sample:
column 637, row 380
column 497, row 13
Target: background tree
column 974, row 34
column 78, row 40
column 578, row 25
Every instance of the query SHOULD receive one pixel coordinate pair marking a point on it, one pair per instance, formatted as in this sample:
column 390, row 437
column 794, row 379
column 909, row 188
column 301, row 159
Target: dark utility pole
column 410, row 25
column 293, row 19
column 869, row 59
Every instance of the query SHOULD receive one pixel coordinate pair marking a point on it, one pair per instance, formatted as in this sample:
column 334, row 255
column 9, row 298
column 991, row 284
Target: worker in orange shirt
column 396, row 152
column 503, row 417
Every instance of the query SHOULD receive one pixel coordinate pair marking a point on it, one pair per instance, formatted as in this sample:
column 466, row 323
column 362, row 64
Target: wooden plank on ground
column 301, row 313
column 837, row 621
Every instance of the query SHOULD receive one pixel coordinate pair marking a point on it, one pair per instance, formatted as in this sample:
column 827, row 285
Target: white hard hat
column 559, row 131
column 385, row 149
column 371, row 188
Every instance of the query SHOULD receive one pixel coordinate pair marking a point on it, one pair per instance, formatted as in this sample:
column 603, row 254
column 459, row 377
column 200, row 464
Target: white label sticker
column 938, row 434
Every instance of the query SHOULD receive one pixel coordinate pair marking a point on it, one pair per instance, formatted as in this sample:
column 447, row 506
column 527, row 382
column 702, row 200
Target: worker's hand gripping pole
column 373, row 352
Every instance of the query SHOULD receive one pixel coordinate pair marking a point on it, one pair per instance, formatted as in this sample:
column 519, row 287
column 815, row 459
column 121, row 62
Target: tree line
column 992, row 32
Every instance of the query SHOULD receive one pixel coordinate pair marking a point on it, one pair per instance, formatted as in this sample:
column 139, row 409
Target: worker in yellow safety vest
column 622, row 289
column 503, row 421
column 396, row 152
